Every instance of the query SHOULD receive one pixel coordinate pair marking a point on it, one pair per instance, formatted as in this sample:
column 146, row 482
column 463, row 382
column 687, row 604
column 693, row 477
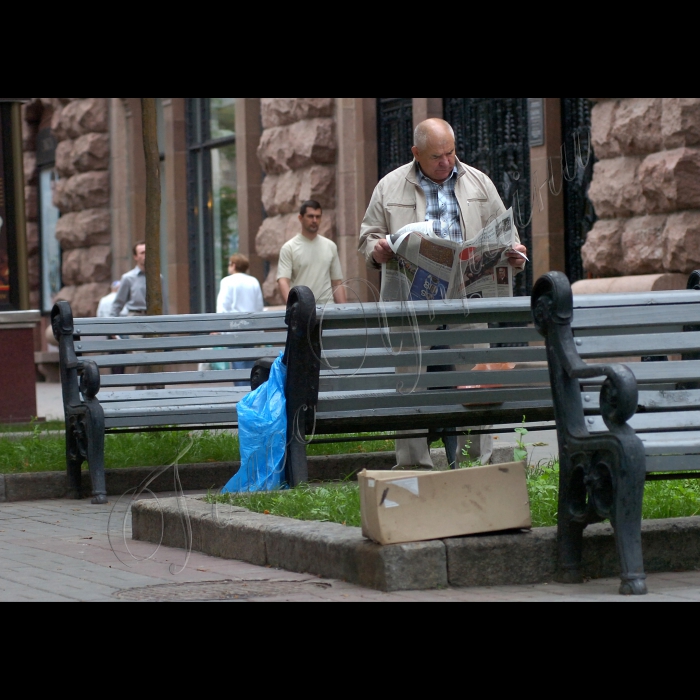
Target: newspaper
column 428, row 268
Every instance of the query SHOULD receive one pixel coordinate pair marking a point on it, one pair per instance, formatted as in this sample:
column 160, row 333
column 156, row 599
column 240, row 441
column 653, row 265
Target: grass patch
column 341, row 503
column 40, row 453
column 50, row 426
column 329, row 503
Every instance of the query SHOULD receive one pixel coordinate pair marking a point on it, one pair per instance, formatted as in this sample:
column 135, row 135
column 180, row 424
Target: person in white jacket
column 239, row 294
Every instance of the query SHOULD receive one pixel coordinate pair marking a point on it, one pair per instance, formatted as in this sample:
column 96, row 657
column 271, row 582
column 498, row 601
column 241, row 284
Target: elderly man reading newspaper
column 437, row 201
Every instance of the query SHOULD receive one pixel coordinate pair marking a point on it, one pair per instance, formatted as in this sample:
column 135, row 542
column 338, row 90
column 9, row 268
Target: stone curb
column 323, row 549
column 198, row 477
column 333, row 551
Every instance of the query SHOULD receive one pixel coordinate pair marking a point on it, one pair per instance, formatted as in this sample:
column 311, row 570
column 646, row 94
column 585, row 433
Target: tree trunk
column 154, row 290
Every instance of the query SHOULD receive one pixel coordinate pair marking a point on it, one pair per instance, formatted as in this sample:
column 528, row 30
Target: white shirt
column 104, row 310
column 240, row 294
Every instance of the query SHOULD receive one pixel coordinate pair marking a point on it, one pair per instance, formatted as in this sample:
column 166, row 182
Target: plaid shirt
column 443, row 208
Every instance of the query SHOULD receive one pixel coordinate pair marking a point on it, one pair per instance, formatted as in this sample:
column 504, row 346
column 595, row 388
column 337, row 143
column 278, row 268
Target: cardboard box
column 400, row 507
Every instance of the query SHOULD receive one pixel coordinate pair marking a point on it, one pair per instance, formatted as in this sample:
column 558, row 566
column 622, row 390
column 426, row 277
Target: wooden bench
column 623, row 423
column 348, row 360
column 185, row 397
column 361, row 368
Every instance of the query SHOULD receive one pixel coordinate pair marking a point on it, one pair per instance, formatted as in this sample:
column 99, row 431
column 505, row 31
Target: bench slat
column 202, row 401
column 651, row 401
column 228, row 340
column 376, row 357
column 179, row 325
column 676, row 422
column 183, row 419
column 147, row 395
column 378, row 338
column 361, row 401
column 427, row 380
column 174, row 378
column 659, row 372
column 181, row 357
column 673, row 463
column 670, row 443
column 432, row 417
column 636, row 345
column 659, row 317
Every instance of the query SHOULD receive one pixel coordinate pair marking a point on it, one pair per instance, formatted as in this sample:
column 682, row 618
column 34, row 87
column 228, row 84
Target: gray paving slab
column 60, row 551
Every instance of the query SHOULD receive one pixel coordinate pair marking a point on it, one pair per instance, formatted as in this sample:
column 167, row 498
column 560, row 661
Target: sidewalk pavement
column 70, row 551
column 49, row 401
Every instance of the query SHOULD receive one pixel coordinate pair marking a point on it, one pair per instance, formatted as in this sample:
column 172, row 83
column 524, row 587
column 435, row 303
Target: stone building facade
column 298, row 153
column 240, row 168
column 646, row 187
column 80, row 127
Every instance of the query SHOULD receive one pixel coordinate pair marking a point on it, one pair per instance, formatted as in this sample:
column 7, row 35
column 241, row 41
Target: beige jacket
column 399, row 200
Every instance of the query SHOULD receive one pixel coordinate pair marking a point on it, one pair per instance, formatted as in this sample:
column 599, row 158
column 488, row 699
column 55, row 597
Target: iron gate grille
column 492, row 136
column 577, row 169
column 395, row 133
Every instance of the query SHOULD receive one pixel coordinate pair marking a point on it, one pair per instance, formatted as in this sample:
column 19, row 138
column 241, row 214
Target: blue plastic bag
column 262, row 430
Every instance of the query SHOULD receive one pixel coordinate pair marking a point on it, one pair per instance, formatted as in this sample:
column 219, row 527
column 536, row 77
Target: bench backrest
column 656, row 336
column 178, row 343
column 355, row 340
column 365, row 345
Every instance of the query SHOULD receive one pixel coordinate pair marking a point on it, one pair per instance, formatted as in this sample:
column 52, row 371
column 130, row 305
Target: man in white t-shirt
column 311, row 260
column 240, row 293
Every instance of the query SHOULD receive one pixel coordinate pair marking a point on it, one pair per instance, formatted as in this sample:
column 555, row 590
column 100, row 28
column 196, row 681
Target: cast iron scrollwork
column 302, row 358
column 601, row 475
column 85, row 421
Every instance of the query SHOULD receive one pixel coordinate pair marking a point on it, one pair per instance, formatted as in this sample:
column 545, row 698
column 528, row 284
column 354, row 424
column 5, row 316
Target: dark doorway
column 492, row 136
column 395, row 133
column 577, row 168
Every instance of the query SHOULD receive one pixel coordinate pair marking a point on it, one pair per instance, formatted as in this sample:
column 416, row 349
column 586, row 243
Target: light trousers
column 416, row 452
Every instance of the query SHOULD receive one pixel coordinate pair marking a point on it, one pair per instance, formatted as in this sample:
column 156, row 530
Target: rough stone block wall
column 646, row 186
column 298, row 153
column 82, row 195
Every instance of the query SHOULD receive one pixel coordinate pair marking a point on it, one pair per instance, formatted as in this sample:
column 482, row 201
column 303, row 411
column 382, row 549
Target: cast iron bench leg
column 630, row 478
column 96, row 451
column 74, row 458
column 602, row 481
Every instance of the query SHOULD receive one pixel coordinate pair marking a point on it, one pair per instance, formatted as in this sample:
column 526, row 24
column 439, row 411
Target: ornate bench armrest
column 89, row 374
column 553, row 308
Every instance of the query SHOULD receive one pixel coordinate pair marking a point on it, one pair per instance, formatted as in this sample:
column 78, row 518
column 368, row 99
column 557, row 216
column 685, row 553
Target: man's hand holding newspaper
column 425, row 267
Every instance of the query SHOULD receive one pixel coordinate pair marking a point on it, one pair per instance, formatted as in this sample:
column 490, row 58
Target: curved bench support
column 85, row 419
column 302, row 357
column 601, row 476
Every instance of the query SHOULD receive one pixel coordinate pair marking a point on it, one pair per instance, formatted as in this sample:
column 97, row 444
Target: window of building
column 212, row 195
column 48, row 217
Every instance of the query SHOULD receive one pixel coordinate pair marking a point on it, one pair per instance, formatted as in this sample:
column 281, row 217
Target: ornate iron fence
column 492, row 136
column 395, row 132
column 577, row 168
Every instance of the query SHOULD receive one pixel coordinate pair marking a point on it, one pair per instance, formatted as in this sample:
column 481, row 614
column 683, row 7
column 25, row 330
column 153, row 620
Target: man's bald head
column 432, row 131
column 434, row 149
